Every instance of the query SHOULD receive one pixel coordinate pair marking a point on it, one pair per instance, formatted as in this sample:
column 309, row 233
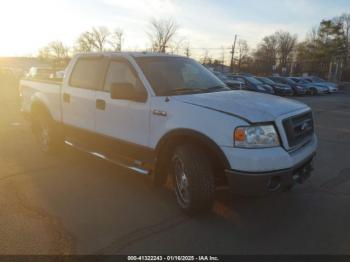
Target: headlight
column 256, row 137
column 300, row 87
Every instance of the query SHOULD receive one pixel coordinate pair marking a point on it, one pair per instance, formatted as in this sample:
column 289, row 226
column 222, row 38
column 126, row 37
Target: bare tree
column 54, row 50
column 177, row 45
column 84, row 43
column 266, row 53
column 270, row 47
column 243, row 50
column 100, row 36
column 286, row 44
column 55, row 53
column 312, row 35
column 206, row 59
column 161, row 34
column 344, row 21
column 117, row 39
column 94, row 40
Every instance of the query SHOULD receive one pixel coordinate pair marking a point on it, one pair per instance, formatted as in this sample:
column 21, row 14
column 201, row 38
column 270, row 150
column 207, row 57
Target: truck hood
column 251, row 106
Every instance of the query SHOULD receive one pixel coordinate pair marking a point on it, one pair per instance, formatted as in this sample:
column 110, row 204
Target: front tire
column 313, row 91
column 193, row 179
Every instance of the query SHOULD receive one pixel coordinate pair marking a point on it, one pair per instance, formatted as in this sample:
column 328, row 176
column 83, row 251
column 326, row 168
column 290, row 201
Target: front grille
column 299, row 129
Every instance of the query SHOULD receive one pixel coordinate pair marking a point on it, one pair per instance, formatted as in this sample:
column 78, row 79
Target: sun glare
column 29, row 24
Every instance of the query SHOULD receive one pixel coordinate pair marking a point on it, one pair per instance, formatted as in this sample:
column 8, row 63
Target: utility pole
column 233, row 52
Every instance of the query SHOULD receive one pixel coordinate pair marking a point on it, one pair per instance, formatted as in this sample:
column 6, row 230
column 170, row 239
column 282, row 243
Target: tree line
column 100, row 39
column 324, row 52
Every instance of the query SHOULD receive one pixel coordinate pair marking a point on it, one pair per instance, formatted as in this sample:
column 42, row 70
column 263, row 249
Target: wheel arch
column 38, row 106
column 176, row 137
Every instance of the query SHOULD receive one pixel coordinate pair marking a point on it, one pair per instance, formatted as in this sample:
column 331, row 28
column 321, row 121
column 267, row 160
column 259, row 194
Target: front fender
column 193, row 136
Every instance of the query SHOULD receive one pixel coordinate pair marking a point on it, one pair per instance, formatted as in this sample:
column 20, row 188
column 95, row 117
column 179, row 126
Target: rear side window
column 279, row 80
column 242, row 80
column 87, row 73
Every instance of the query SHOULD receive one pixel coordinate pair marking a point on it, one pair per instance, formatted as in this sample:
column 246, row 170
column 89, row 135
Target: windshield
column 291, row 81
column 303, row 81
column 317, row 79
column 284, row 80
column 177, row 75
column 266, row 80
column 254, row 80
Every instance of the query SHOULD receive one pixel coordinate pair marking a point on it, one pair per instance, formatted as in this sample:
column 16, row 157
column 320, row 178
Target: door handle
column 100, row 104
column 66, row 98
column 159, row 113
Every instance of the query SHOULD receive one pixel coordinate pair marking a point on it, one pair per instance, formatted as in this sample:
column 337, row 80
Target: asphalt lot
column 76, row 204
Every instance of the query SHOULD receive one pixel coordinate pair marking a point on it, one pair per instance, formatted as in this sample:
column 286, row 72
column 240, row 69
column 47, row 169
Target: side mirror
column 127, row 91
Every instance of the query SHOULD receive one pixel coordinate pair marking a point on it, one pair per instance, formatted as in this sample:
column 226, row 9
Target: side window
column 242, row 80
column 236, row 85
column 121, row 72
column 87, row 73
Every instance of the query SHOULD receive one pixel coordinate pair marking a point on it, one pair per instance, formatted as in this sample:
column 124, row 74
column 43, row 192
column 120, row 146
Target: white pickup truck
column 168, row 116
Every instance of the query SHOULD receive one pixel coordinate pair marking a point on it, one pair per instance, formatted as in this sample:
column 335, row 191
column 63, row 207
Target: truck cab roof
column 132, row 54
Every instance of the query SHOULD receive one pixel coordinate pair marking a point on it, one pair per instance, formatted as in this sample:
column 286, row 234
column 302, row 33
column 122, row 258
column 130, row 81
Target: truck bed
column 45, row 90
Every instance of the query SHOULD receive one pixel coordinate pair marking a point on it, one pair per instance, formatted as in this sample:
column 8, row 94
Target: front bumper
column 247, row 184
column 300, row 91
column 323, row 91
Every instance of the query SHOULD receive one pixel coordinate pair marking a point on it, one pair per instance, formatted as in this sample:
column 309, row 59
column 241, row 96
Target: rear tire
column 193, row 179
column 45, row 133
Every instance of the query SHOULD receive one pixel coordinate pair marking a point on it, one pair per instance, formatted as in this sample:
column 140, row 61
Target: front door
column 124, row 124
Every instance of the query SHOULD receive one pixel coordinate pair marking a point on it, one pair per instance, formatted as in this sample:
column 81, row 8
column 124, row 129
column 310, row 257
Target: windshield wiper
column 214, row 88
column 188, row 90
column 182, row 91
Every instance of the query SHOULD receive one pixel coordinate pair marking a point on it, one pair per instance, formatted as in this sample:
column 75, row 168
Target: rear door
column 79, row 98
column 123, row 124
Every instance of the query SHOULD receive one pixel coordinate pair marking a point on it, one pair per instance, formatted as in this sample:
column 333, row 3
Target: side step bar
column 118, row 163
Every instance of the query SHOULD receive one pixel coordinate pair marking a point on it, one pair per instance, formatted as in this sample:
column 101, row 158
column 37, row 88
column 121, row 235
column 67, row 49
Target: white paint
column 133, row 122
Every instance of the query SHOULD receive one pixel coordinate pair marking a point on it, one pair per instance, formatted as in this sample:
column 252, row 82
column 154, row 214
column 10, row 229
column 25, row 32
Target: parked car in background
column 313, row 88
column 244, row 74
column 280, row 89
column 232, row 84
column 297, row 89
column 11, row 72
column 40, row 73
column 253, row 84
column 57, row 76
column 332, row 87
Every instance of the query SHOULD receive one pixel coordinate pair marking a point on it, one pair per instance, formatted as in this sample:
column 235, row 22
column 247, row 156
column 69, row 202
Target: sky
column 28, row 25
